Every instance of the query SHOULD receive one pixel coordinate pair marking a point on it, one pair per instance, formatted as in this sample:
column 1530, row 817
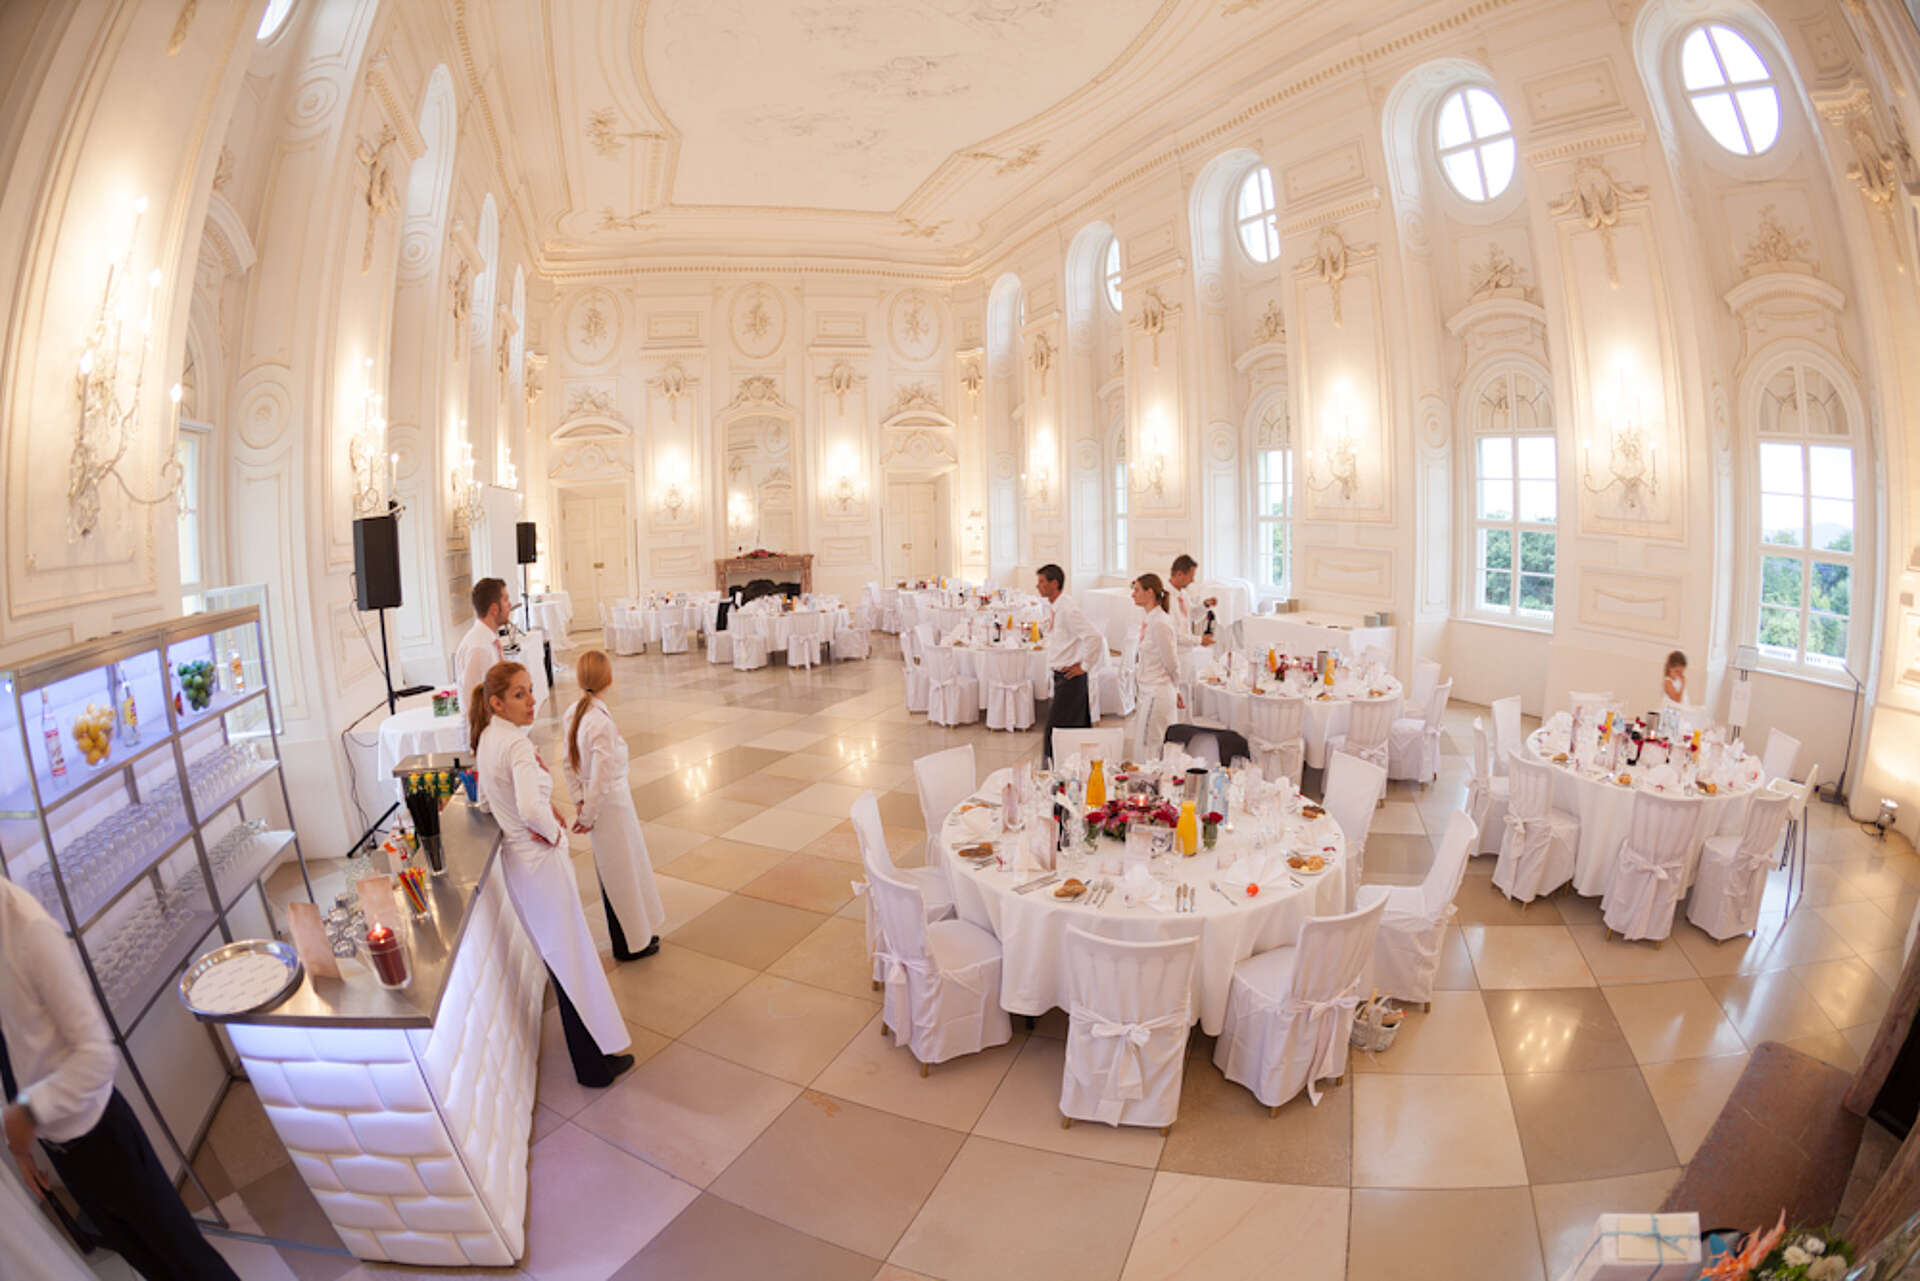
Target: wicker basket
column 1375, row 1025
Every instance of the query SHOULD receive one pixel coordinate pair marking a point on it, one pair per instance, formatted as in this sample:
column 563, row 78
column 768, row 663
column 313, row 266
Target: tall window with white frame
column 1806, row 509
column 1255, row 216
column 1272, row 523
column 1515, row 499
column 195, row 441
column 1110, row 274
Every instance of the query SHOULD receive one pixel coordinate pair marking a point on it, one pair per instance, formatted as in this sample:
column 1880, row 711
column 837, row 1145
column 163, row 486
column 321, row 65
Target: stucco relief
column 265, row 403
column 758, row 320
column 593, row 326
column 914, row 326
column 919, row 448
column 1221, row 445
column 312, row 105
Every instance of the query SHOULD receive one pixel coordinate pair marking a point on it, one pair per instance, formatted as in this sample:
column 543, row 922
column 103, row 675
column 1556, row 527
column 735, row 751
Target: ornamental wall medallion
column 913, row 326
column 593, row 326
column 758, row 320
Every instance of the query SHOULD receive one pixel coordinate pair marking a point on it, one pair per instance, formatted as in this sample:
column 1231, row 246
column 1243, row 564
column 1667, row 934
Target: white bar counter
column 409, row 1112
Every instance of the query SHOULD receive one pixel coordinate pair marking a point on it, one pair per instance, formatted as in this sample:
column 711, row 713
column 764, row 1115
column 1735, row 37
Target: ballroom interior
column 1394, row 317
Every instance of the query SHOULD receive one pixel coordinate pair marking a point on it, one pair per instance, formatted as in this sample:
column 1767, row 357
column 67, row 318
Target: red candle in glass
column 389, row 961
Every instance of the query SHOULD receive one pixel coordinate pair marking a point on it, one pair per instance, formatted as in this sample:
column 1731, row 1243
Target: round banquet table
column 1032, row 927
column 1327, row 710
column 552, row 617
column 418, row 732
column 1605, row 809
column 777, row 629
column 1032, row 661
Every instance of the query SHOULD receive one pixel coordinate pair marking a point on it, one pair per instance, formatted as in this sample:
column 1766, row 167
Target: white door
column 913, row 538
column 593, row 524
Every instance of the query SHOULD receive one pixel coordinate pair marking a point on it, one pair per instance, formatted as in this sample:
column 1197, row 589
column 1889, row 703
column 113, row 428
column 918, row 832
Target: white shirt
column 1189, row 615
column 479, row 650
column 517, row 786
column 57, row 1040
column 1071, row 637
column 1159, row 659
column 603, row 758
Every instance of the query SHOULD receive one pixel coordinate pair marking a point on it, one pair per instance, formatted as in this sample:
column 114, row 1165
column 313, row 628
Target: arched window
column 1257, row 217
column 1515, row 497
column 1731, row 89
column 1272, row 522
column 1110, row 273
column 273, row 19
column 1474, row 141
column 1806, row 523
column 1118, row 478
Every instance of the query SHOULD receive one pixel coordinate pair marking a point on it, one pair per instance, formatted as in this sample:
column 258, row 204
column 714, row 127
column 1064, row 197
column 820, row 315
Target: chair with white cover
column 1008, row 688
column 887, row 619
column 929, row 880
column 1540, row 844
column 942, row 979
column 673, row 634
column 1275, row 725
column 927, row 634
column 943, row 780
column 1426, row 674
column 1486, row 795
column 1688, row 716
column 953, row 697
column 1352, row 792
column 1113, row 693
column 1733, row 869
column 1290, row 1011
column 1129, row 1009
column 1797, row 795
column 1651, row 872
column 916, row 670
column 1090, row 745
column 1413, row 743
column 1406, row 953
column 804, row 639
column 624, row 636
column 1369, row 727
column 1378, row 656
column 1780, row 755
column 1506, row 732
column 749, row 640
column 855, row 640
column 720, row 643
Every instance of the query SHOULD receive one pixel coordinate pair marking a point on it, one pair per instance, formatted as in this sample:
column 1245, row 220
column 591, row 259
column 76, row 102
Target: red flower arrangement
column 1111, row 820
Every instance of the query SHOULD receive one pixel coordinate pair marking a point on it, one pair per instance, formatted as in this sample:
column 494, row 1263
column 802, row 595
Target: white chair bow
column 1127, row 1079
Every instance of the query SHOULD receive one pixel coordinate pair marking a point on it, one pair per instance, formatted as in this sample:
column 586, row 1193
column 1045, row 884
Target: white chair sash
column 1126, row 1080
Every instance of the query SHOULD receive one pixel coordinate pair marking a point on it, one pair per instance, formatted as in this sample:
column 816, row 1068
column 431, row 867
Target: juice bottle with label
column 50, row 731
column 1097, row 786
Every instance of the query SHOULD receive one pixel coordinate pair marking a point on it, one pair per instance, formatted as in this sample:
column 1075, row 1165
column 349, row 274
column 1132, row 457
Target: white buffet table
column 1304, row 634
column 418, row 732
column 1032, row 927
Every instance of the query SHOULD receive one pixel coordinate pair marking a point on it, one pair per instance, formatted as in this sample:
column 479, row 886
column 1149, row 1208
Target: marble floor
column 770, row 1131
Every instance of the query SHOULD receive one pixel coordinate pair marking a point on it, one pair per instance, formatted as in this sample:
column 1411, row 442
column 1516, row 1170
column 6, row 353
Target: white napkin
column 1663, row 778
column 980, row 823
column 1139, row 889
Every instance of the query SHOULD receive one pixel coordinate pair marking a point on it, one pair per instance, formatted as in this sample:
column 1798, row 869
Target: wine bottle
column 50, row 730
column 1209, row 630
column 129, row 713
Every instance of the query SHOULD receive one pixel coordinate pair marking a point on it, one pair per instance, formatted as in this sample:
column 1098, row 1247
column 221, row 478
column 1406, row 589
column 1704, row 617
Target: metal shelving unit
column 122, row 850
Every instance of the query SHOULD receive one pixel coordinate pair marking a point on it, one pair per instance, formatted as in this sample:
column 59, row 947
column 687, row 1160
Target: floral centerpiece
column 1210, row 827
column 1812, row 1254
column 1112, row 819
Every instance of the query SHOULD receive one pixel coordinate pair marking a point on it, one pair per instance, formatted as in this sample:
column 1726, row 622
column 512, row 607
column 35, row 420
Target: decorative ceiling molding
column 1597, row 199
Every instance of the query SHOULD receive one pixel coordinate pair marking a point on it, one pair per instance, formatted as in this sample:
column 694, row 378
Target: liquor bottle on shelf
column 129, row 713
column 238, row 670
column 50, row 731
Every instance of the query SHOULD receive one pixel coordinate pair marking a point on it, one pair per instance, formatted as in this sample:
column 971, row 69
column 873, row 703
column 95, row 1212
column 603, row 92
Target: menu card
column 310, row 940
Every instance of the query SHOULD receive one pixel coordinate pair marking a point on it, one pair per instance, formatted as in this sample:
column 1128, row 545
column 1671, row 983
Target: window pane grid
column 1515, row 497
column 1805, row 516
column 1473, row 140
column 1256, row 217
column 1731, row 89
column 1273, row 517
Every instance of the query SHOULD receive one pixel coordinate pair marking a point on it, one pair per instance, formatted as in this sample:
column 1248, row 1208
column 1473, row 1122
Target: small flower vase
column 1209, row 834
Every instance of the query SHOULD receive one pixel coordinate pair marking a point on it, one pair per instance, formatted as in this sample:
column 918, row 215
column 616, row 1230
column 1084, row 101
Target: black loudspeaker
column 526, row 543
column 376, row 562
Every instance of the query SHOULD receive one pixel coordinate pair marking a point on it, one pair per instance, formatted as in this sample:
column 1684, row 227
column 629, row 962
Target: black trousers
column 590, row 1066
column 114, row 1175
column 1070, row 708
column 616, row 935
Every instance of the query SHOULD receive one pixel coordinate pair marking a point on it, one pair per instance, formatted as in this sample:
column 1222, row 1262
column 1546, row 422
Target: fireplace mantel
column 735, row 570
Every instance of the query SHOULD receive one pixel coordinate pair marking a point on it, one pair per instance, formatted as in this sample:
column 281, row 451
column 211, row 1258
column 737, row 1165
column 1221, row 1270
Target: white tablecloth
column 1112, row 610
column 1324, row 716
column 553, row 617
column 1032, row 927
column 777, row 629
column 1032, row 661
column 418, row 732
column 1305, row 634
column 1605, row 809
column 533, row 657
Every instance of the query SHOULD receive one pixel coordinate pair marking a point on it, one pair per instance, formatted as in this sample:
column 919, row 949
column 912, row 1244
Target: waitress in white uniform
column 518, row 788
column 603, row 807
column 1159, row 669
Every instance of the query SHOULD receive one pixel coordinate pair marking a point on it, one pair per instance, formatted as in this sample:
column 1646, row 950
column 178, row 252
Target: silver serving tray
column 281, row 952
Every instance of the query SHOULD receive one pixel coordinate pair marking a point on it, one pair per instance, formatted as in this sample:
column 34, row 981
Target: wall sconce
column 739, row 518
column 509, row 474
column 673, row 492
column 1633, row 463
column 367, row 452
column 846, row 489
column 108, row 418
column 467, row 507
column 1039, row 473
column 1154, row 453
column 1341, row 462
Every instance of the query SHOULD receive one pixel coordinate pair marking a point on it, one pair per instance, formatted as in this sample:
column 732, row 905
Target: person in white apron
column 1158, row 673
column 603, row 808
column 539, row 873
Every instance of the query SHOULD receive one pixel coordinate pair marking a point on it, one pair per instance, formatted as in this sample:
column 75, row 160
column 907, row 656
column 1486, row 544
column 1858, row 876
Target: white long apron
column 605, row 804
column 540, row 880
column 1159, row 668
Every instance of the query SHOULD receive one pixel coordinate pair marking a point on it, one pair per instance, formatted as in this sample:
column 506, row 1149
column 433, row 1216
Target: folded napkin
column 1139, row 889
column 1662, row 778
column 1255, row 869
column 980, row 822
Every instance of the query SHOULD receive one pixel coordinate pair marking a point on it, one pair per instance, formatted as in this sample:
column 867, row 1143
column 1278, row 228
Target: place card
column 310, row 940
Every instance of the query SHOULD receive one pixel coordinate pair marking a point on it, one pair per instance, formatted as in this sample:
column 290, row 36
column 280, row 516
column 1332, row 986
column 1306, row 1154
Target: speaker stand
column 386, row 664
column 526, row 601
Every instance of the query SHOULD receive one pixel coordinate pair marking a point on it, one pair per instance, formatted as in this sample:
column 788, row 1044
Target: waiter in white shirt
column 480, row 648
column 1189, row 612
column 57, row 1063
column 1074, row 646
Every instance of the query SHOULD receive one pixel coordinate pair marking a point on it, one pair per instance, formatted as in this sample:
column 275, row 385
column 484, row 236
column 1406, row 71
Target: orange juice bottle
column 1188, row 831
column 1097, row 786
